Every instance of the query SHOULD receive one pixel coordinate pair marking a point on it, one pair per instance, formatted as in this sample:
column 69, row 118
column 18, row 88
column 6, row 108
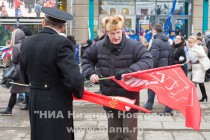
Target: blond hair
column 192, row 39
column 12, row 43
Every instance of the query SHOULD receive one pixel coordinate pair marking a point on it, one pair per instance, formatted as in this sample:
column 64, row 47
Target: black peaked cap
column 56, row 15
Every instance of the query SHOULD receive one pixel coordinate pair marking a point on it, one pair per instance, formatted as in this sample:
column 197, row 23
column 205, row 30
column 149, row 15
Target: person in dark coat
column 101, row 36
column 116, row 55
column 85, row 45
column 177, row 53
column 160, row 51
column 76, row 47
column 48, row 66
column 21, row 97
column 207, row 41
column 16, row 40
column 25, row 29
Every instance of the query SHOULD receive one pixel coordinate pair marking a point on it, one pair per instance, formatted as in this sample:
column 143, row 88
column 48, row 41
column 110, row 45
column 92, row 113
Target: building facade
column 143, row 14
column 190, row 16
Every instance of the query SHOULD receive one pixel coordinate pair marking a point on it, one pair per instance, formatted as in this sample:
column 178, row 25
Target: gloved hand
column 119, row 74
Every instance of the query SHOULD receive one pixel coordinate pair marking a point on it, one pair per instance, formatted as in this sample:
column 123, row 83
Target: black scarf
column 115, row 49
column 177, row 45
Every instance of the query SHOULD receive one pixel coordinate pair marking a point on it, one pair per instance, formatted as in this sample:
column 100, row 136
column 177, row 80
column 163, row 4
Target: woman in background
column 16, row 40
column 198, row 74
column 177, row 53
column 143, row 40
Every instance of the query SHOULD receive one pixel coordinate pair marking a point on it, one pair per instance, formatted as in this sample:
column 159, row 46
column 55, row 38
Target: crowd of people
column 24, row 8
column 48, row 63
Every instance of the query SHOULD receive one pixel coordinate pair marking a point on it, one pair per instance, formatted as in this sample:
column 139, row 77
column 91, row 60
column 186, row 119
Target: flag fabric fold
column 172, row 88
column 120, row 103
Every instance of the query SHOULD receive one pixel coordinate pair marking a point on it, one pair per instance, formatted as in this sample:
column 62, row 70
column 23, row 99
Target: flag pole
column 170, row 16
column 108, row 78
column 104, row 78
column 100, row 79
column 143, row 71
column 14, row 83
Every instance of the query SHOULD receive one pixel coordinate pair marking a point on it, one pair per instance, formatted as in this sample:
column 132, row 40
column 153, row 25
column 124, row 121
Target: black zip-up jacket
column 129, row 54
column 160, row 50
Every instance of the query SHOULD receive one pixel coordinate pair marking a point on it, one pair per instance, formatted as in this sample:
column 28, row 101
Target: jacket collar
column 116, row 49
column 48, row 30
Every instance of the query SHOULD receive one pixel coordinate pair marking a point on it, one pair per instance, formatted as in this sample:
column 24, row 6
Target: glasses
column 178, row 38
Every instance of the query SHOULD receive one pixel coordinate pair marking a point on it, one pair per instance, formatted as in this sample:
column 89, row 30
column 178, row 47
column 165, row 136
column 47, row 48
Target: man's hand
column 119, row 74
column 94, row 78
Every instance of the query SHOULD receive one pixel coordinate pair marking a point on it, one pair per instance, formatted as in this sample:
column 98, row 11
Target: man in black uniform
column 48, row 66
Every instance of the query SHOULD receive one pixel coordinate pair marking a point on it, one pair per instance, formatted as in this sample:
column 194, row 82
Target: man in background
column 161, row 55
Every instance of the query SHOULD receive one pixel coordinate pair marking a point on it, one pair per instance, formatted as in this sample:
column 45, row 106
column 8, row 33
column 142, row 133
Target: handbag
column 11, row 73
column 205, row 63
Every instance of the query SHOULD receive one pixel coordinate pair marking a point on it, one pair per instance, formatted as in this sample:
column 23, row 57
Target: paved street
column 91, row 126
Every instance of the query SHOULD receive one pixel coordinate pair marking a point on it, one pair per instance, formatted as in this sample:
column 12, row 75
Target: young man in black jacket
column 160, row 51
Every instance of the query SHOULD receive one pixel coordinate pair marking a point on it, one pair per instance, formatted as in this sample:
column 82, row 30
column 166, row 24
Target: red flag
column 120, row 103
column 172, row 88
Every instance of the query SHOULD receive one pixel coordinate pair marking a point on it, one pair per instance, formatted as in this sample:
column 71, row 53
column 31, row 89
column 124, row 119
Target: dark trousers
column 16, row 12
column 12, row 101
column 38, row 14
column 11, row 4
column 203, row 90
column 122, row 127
column 185, row 69
column 207, row 77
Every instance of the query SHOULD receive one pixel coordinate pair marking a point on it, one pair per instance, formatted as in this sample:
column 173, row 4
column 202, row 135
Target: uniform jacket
column 47, row 64
column 160, row 50
column 129, row 54
column 19, row 37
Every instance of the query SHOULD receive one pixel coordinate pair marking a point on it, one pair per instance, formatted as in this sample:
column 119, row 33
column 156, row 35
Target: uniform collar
column 48, row 30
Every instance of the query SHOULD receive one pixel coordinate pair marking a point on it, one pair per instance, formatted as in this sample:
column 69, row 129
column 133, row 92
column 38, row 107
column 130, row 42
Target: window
column 6, row 30
column 162, row 7
column 181, row 8
column 145, row 8
column 144, row 14
column 124, row 7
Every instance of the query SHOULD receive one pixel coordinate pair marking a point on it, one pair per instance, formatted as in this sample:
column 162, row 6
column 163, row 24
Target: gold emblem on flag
column 113, row 103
